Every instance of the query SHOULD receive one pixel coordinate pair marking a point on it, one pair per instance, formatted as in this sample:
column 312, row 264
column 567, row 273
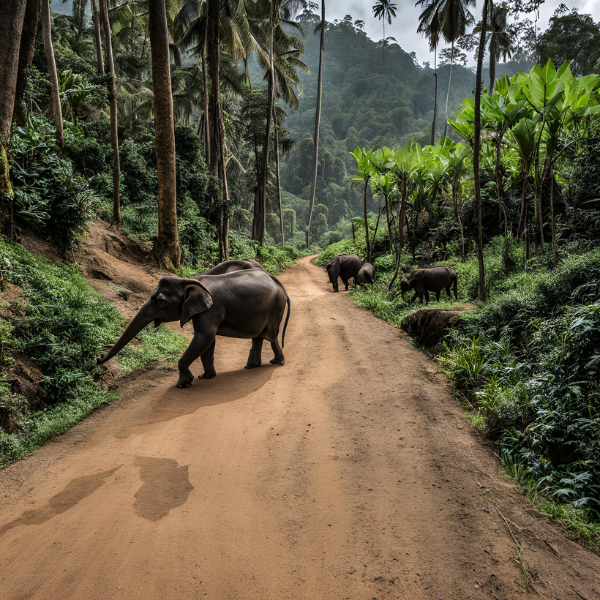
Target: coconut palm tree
column 54, row 90
column 112, row 101
column 498, row 38
column 384, row 9
column 454, row 16
column 12, row 14
column 313, row 183
column 430, row 27
column 166, row 249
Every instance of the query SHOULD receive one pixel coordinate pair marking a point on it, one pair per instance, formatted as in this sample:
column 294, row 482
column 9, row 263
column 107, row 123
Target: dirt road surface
column 348, row 473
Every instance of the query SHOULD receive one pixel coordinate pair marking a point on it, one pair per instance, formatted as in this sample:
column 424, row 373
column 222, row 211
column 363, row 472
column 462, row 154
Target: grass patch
column 64, row 326
column 577, row 523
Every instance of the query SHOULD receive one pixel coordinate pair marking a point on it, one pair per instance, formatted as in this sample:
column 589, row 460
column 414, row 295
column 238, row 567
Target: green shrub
column 343, row 247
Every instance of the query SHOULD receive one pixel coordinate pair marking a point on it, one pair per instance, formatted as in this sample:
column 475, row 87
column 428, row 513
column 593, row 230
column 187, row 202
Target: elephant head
column 409, row 280
column 174, row 299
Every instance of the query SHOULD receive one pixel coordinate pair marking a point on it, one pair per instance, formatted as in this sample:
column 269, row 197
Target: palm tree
column 431, row 29
column 166, row 248
column 454, row 16
column 12, row 13
column 54, row 90
column 500, row 43
column 313, row 183
column 112, row 101
column 477, row 153
column 97, row 36
column 384, row 9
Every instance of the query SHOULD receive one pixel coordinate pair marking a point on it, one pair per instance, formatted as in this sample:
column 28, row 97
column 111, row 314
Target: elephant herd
column 239, row 299
column 422, row 281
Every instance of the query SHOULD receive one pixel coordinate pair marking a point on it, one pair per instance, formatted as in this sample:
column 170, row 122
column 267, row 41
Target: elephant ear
column 196, row 299
column 419, row 274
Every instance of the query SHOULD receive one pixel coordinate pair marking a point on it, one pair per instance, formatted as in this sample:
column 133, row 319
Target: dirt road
column 350, row 472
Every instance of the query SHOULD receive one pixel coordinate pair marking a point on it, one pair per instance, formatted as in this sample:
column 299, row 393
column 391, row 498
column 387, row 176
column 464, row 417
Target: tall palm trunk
column 401, row 218
column 434, row 96
column 367, row 236
column 448, row 92
column 26, row 50
column 477, row 153
column 492, row 62
column 112, row 101
column 12, row 14
column 205, row 106
column 260, row 206
column 500, row 182
column 313, row 184
column 54, row 91
column 97, row 37
column 383, row 45
column 166, row 249
column 216, row 127
column 277, row 174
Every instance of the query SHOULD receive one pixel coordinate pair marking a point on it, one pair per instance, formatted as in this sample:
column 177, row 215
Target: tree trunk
column 366, row 219
column 492, row 62
column 205, row 105
column 434, row 96
column 322, row 179
column 166, row 249
column 460, row 223
column 26, row 50
column 97, row 37
column 477, row 154
column 448, row 92
column 216, row 127
column 277, row 174
column 525, row 170
column 260, row 208
column 112, row 101
column 400, row 232
column 313, row 184
column 553, row 229
column 12, row 14
column 499, row 183
column 389, row 224
column 54, row 91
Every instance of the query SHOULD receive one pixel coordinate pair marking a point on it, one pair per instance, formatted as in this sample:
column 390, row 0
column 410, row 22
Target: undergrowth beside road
column 63, row 325
column 526, row 365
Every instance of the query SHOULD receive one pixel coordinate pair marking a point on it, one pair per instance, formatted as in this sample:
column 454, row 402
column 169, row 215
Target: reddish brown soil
column 350, row 472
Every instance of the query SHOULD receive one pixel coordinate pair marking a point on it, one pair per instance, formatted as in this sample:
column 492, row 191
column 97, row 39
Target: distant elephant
column 229, row 266
column 245, row 304
column 435, row 280
column 344, row 266
column 365, row 275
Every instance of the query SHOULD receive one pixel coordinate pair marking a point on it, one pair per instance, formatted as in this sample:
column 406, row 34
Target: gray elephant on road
column 345, row 266
column 228, row 266
column 366, row 275
column 423, row 281
column 246, row 304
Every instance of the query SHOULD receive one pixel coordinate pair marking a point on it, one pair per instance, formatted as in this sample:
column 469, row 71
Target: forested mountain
column 365, row 103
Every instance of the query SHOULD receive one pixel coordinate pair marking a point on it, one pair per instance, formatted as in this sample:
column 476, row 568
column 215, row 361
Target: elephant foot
column 185, row 379
column 278, row 361
column 252, row 366
column 207, row 376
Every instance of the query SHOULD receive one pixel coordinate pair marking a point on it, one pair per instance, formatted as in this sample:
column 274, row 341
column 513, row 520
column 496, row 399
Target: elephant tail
column 286, row 322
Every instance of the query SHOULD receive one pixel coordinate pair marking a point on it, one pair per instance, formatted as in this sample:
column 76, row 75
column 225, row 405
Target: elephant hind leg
column 254, row 358
column 448, row 291
column 437, row 296
column 279, row 359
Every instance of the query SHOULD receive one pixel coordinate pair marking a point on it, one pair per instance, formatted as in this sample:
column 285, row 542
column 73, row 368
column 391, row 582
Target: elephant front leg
column 254, row 358
column 346, row 283
column 198, row 346
column 279, row 359
column 208, row 362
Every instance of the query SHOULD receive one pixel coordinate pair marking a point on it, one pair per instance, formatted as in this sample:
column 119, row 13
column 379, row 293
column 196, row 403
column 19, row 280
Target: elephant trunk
column 138, row 323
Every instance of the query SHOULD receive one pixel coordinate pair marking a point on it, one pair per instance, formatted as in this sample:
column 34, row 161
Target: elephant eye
column 162, row 302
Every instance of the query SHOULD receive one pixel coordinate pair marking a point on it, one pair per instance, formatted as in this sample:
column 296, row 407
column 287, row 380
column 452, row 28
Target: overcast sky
column 404, row 26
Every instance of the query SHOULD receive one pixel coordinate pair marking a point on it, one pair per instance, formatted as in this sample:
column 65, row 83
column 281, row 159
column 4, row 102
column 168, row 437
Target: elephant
column 344, row 266
column 229, row 266
column 424, row 281
column 365, row 275
column 246, row 304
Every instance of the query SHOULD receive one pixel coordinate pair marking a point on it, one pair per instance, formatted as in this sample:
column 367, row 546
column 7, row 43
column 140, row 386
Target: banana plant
column 365, row 169
column 383, row 184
